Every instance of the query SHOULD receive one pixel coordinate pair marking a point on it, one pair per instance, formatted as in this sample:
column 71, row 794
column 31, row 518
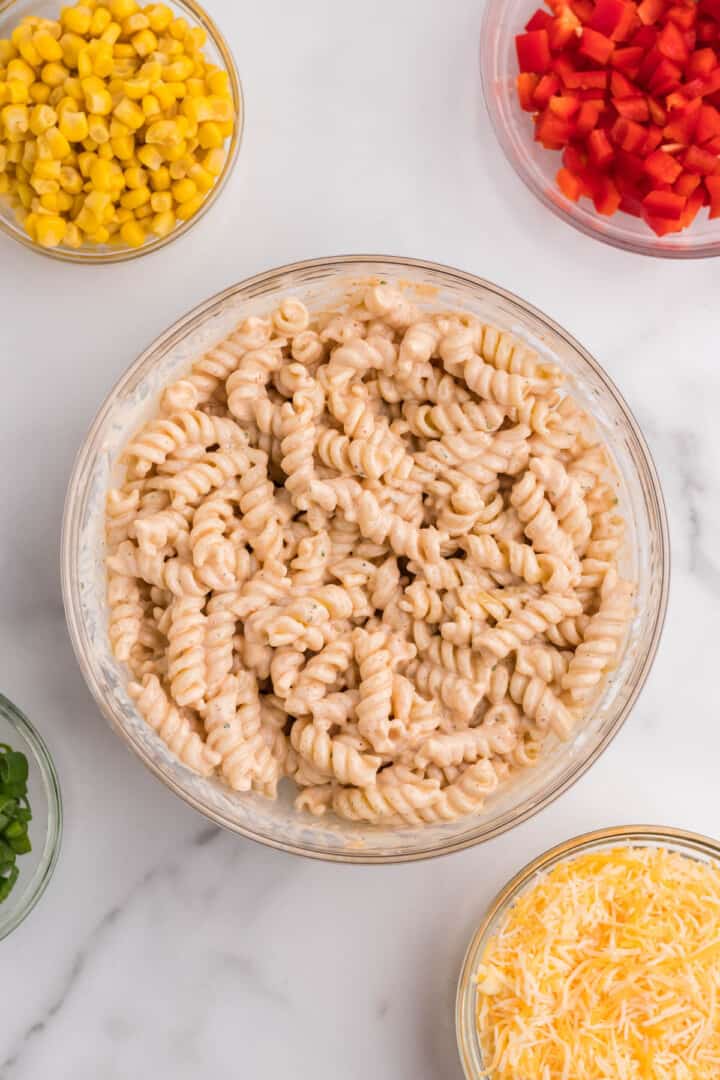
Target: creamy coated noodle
column 374, row 550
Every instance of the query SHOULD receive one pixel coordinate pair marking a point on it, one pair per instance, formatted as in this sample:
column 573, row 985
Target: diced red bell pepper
column 707, row 30
column 713, row 145
column 570, row 185
column 652, row 58
column 682, row 123
column 686, row 183
column 587, row 119
column 665, row 77
column 607, row 197
column 614, row 18
column 628, row 60
column 701, row 63
column 653, row 139
column 564, row 105
column 658, row 114
column 628, row 135
column 694, row 204
column 586, row 80
column 583, row 9
column 563, row 29
column 551, row 131
column 595, row 46
column 664, row 204
column 526, row 86
column 712, row 183
column 574, row 159
column 600, row 151
column 546, row 87
column 697, row 160
column 684, row 17
column 621, row 86
column 711, row 84
column 633, row 108
column 708, row 124
column 662, row 167
column 672, row 44
column 710, row 8
column 649, row 11
column 533, row 51
column 644, row 38
column 540, row 20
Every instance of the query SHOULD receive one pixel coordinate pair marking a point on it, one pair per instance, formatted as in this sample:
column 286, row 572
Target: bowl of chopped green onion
column 30, row 817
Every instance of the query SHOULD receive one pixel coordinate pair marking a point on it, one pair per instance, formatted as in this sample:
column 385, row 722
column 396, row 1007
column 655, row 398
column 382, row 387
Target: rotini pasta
column 374, row 551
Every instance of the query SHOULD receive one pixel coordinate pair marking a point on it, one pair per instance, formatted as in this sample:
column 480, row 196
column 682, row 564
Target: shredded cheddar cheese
column 607, row 968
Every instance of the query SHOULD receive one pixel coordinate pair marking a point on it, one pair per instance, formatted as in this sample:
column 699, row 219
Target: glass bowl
column 37, row 866
column 537, row 167
column 644, row 836
column 217, row 50
column 322, row 283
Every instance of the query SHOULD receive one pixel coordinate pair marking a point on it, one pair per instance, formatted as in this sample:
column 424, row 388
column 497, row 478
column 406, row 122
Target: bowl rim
column 54, row 831
column 652, row 246
column 634, row 835
column 70, row 530
column 106, row 257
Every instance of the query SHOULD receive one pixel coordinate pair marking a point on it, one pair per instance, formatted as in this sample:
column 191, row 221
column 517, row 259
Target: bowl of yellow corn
column 120, row 123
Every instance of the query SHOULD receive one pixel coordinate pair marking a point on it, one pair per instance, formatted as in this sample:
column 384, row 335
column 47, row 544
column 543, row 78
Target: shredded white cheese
column 607, row 968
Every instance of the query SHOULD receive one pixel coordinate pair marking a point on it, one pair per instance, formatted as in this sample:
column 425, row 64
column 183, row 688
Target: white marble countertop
column 163, row 946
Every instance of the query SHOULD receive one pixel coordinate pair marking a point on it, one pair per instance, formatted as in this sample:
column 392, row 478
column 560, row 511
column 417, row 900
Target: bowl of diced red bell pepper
column 609, row 111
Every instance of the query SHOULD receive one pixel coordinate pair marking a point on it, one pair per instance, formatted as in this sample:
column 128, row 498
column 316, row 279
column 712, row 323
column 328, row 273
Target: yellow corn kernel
column 163, row 223
column 180, row 69
column 195, row 87
column 101, row 19
column 40, row 93
column 54, row 74
column 178, row 29
column 100, row 236
column 124, row 68
column 159, row 16
column 165, row 97
column 72, row 87
column 42, row 117
column 179, row 169
column 144, row 42
column 49, row 202
column 129, row 113
column 105, row 151
column 20, row 70
column 136, row 89
column 25, row 194
column 131, row 200
column 89, row 144
column 84, row 63
column 71, row 180
column 15, row 152
column 97, row 99
column 122, row 9
column 150, row 106
column 8, row 51
column 161, row 202
column 150, row 157
column 134, row 23
column 219, row 83
column 86, row 221
column 102, row 59
column 135, row 177
column 188, row 209
column 117, row 128
column 123, row 147
column 76, row 19
column 47, row 170
column 227, row 128
column 101, row 175
column 163, row 132
column 196, row 37
column 16, row 119
column 71, row 45
column 144, row 211
column 98, row 129
column 97, row 203
column 86, row 161
column 44, row 187
column 160, row 179
column 213, row 108
column 18, row 93
column 111, row 36
column 73, row 125
column 48, row 48
column 132, row 233
column 210, row 135
column 183, row 190
column 28, row 52
column 214, row 161
column 3, row 158
column 122, row 215
column 4, row 183
column 73, row 236
column 30, row 154
column 202, row 179
column 30, row 226
column 175, row 153
column 50, row 231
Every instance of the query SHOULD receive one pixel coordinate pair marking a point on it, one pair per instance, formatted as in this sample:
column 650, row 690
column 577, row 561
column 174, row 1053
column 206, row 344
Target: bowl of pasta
column 366, row 559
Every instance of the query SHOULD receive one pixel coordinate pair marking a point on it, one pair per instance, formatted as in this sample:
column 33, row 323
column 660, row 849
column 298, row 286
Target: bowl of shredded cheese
column 599, row 959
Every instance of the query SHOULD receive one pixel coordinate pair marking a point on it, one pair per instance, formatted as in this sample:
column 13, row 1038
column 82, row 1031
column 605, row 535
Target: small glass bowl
column 537, row 167
column 36, row 868
column 217, row 51
column 693, row 845
column 322, row 284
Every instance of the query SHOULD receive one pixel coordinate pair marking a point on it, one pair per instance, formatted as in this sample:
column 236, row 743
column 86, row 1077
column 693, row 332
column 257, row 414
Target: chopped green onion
column 15, row 815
